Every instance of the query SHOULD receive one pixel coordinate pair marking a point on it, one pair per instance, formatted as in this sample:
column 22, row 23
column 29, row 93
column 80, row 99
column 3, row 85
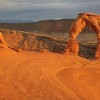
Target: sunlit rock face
column 3, row 43
column 82, row 20
column 19, row 40
column 32, row 41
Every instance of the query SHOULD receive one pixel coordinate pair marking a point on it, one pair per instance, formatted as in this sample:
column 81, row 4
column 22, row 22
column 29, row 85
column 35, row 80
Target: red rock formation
column 72, row 46
column 3, row 43
column 83, row 19
column 32, row 42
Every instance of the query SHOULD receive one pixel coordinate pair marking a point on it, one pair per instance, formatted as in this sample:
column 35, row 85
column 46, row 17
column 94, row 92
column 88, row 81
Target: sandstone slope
column 47, row 76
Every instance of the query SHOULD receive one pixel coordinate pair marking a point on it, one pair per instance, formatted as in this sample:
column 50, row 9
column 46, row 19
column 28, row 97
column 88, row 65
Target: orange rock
column 72, row 46
column 97, row 54
column 92, row 20
column 3, row 43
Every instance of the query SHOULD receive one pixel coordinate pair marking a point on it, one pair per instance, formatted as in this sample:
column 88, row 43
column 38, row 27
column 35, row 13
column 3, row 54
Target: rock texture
column 72, row 46
column 48, row 76
column 18, row 40
column 84, row 19
column 32, row 41
column 3, row 43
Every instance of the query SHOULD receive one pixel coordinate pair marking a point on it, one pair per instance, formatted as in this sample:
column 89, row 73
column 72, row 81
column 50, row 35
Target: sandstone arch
column 93, row 21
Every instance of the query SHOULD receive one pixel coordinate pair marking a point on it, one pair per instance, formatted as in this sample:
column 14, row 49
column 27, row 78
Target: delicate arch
column 82, row 20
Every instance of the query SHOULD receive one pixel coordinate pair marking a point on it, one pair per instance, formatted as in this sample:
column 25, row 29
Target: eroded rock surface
column 37, row 42
column 33, row 42
column 3, row 43
column 93, row 21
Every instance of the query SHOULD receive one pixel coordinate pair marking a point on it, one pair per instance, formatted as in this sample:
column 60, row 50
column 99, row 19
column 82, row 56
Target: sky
column 46, row 9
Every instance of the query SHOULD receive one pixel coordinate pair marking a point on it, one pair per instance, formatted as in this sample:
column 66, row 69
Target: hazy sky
column 46, row 9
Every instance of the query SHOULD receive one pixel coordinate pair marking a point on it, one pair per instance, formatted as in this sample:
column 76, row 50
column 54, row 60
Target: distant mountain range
column 15, row 21
column 44, row 27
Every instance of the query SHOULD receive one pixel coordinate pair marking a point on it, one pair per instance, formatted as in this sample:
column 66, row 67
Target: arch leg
column 97, row 54
column 72, row 46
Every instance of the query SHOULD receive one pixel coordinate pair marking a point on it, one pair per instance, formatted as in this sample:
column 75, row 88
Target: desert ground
column 48, row 76
column 34, row 66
